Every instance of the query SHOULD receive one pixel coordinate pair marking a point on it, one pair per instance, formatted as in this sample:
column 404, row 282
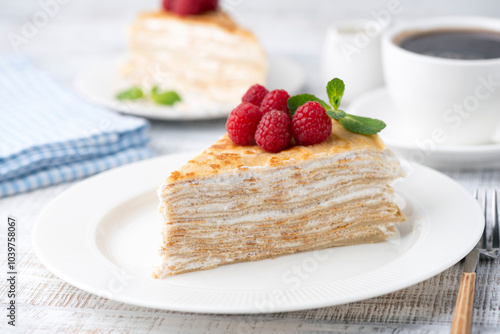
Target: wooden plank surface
column 47, row 304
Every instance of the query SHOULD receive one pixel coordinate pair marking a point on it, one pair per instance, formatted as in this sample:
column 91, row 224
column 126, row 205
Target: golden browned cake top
column 224, row 156
column 216, row 18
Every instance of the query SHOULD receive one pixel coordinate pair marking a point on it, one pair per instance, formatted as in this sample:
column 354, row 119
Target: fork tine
column 481, row 198
column 496, row 223
column 490, row 219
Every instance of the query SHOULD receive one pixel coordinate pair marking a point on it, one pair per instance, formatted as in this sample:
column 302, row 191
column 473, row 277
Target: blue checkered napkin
column 48, row 135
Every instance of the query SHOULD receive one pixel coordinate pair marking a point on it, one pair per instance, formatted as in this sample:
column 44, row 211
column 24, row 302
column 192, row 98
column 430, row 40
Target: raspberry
column 167, row 4
column 274, row 131
column 310, row 124
column 242, row 123
column 208, row 5
column 255, row 95
column 186, row 7
column 189, row 7
column 275, row 99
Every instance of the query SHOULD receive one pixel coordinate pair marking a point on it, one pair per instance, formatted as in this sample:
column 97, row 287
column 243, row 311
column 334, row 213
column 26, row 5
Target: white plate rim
column 83, row 88
column 366, row 99
column 43, row 249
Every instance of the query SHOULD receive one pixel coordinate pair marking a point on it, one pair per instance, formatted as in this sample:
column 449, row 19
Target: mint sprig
column 133, row 93
column 166, row 98
column 335, row 90
column 362, row 125
column 296, row 101
column 336, row 114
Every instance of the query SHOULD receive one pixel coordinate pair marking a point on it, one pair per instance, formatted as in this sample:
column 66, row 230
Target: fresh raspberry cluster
column 275, row 99
column 242, row 123
column 311, row 125
column 274, row 131
column 189, row 7
column 255, row 95
column 263, row 118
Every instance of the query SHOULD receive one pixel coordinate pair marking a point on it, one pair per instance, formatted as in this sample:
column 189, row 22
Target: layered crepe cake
column 206, row 58
column 239, row 203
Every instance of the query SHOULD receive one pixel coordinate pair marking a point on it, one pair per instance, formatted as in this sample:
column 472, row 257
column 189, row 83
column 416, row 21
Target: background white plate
column 100, row 84
column 378, row 104
column 102, row 234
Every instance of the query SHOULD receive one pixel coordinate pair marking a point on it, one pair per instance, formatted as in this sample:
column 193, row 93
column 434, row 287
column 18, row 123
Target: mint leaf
column 362, row 125
column 167, row 98
column 335, row 90
column 133, row 93
column 336, row 114
column 296, row 101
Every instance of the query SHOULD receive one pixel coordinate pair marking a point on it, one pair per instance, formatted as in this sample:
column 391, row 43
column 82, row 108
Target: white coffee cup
column 351, row 52
column 446, row 101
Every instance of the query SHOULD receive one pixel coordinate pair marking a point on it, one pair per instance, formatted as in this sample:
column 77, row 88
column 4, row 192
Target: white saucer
column 102, row 236
column 100, row 83
column 378, row 104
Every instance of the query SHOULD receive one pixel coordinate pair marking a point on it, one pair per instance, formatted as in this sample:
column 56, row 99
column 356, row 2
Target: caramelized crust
column 217, row 18
column 224, row 156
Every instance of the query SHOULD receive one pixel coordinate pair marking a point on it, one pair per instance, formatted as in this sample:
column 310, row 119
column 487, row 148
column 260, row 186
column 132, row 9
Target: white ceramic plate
column 378, row 104
column 102, row 235
column 100, row 83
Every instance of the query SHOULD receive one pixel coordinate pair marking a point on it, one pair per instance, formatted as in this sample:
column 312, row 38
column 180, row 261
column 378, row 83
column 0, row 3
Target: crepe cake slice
column 239, row 203
column 206, row 58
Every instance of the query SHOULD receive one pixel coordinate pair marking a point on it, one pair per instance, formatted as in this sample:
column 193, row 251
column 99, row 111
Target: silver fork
column 489, row 247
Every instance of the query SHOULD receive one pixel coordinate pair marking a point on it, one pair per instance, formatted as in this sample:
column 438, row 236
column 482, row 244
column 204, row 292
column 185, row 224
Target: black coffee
column 453, row 43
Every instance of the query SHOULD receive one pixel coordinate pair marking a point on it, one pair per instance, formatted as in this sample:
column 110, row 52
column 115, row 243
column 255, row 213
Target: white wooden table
column 84, row 31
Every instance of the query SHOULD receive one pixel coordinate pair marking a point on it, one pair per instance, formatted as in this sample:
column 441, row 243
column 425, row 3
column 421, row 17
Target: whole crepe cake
column 289, row 184
column 195, row 49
